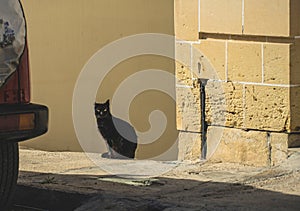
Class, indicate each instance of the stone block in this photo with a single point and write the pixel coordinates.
(267, 108)
(183, 75)
(278, 148)
(186, 20)
(214, 51)
(214, 137)
(244, 61)
(266, 18)
(282, 63)
(183, 53)
(276, 63)
(189, 146)
(224, 104)
(188, 113)
(239, 146)
(221, 16)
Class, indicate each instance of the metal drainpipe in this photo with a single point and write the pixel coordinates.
(202, 83)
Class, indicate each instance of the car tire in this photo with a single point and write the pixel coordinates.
(9, 167)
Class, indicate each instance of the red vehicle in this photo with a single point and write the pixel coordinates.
(19, 118)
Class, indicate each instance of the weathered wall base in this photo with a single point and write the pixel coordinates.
(255, 148)
(189, 146)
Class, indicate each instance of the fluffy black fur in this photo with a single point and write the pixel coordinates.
(120, 136)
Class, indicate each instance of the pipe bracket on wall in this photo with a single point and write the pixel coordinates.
(202, 82)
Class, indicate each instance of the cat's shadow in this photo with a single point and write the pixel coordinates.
(125, 129)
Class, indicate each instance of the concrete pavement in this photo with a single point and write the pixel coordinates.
(186, 186)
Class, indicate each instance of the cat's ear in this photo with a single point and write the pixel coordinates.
(107, 102)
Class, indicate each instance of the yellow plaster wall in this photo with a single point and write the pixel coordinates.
(63, 35)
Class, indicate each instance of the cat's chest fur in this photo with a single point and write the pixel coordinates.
(106, 127)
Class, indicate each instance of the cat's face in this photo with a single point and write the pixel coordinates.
(102, 109)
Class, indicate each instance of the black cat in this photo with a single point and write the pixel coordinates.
(120, 136)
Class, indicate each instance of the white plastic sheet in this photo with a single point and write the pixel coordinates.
(12, 37)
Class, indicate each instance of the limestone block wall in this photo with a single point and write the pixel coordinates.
(250, 52)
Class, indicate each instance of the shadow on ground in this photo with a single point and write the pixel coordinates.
(90, 192)
(33, 198)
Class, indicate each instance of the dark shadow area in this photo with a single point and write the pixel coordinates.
(294, 136)
(295, 109)
(66, 192)
(295, 89)
(34, 198)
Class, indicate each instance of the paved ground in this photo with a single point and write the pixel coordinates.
(70, 181)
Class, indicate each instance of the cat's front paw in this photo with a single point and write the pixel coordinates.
(106, 155)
